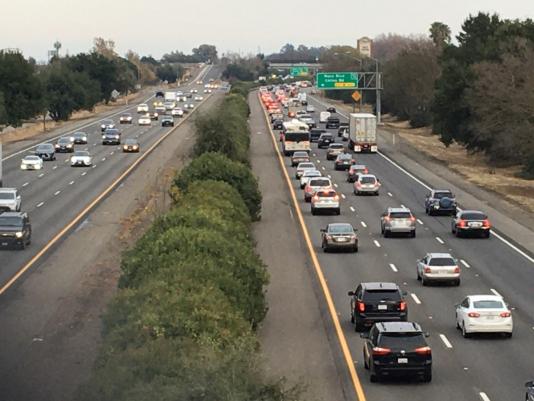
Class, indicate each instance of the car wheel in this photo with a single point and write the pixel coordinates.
(355, 193)
(355, 249)
(373, 378)
(386, 233)
(22, 245)
(376, 193)
(465, 334)
(413, 234)
(427, 377)
(418, 275)
(457, 324)
(507, 335)
(487, 234)
(338, 212)
(313, 211)
(457, 282)
(325, 248)
(358, 325)
(351, 317)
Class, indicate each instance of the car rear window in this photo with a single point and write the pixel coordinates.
(300, 154)
(367, 180)
(488, 304)
(381, 295)
(474, 216)
(442, 262)
(326, 194)
(400, 215)
(402, 340)
(345, 156)
(321, 182)
(7, 195)
(10, 221)
(341, 229)
(306, 165)
(439, 195)
(336, 146)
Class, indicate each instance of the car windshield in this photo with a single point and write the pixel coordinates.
(441, 262)
(440, 195)
(107, 122)
(126, 115)
(32, 158)
(333, 119)
(381, 295)
(320, 182)
(488, 304)
(7, 195)
(63, 140)
(10, 221)
(367, 180)
(45, 148)
(131, 141)
(400, 215)
(402, 340)
(300, 154)
(336, 146)
(326, 136)
(340, 229)
(474, 216)
(79, 134)
(312, 173)
(81, 153)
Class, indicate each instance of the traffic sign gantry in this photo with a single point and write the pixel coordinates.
(337, 80)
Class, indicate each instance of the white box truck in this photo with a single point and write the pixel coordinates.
(362, 132)
(170, 96)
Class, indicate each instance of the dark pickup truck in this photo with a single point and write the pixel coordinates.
(15, 230)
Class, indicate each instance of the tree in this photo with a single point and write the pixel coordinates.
(169, 72)
(146, 74)
(20, 87)
(104, 47)
(57, 46)
(440, 34)
(206, 53)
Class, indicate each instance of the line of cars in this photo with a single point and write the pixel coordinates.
(378, 310)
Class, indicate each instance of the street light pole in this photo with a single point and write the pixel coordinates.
(378, 84)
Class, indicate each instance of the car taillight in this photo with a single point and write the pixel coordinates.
(402, 305)
(427, 269)
(505, 314)
(387, 218)
(360, 306)
(379, 351)
(473, 314)
(457, 269)
(461, 223)
(336, 197)
(358, 184)
(366, 171)
(486, 223)
(412, 218)
(315, 197)
(424, 350)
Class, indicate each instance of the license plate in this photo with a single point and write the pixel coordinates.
(342, 239)
(402, 360)
(382, 307)
(475, 224)
(490, 317)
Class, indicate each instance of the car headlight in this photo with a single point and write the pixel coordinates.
(19, 234)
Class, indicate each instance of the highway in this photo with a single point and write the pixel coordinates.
(485, 367)
(58, 193)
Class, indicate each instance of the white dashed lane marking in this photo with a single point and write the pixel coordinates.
(40, 204)
(57, 193)
(85, 172)
(390, 194)
(439, 240)
(419, 221)
(376, 242)
(463, 262)
(41, 175)
(25, 184)
(103, 159)
(445, 341)
(484, 396)
(393, 267)
(343, 196)
(53, 168)
(72, 182)
(335, 185)
(415, 298)
(495, 292)
(352, 209)
(363, 224)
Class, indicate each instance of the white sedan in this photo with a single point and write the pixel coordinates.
(198, 98)
(142, 108)
(31, 162)
(484, 314)
(144, 120)
(176, 112)
(307, 175)
(81, 158)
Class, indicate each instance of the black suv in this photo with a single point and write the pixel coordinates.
(440, 201)
(332, 122)
(15, 230)
(397, 348)
(325, 140)
(377, 302)
(111, 137)
(316, 133)
(46, 151)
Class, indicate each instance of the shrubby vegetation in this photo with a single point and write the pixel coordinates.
(191, 293)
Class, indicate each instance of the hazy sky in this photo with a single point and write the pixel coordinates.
(157, 27)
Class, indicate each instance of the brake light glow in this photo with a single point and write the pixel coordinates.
(473, 314)
(387, 218)
(427, 269)
(361, 306)
(336, 197)
(315, 197)
(402, 305)
(379, 351)
(486, 223)
(457, 269)
(505, 314)
(412, 218)
(424, 350)
(461, 223)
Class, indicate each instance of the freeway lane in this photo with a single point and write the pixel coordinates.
(463, 369)
(59, 192)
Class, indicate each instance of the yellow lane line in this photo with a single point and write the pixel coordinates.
(331, 308)
(95, 201)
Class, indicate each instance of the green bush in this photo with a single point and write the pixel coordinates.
(219, 167)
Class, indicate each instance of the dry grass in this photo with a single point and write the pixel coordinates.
(474, 167)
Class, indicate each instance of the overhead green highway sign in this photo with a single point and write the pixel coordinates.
(298, 71)
(337, 80)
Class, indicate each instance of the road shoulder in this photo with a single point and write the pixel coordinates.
(296, 337)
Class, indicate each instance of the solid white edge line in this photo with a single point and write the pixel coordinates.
(440, 240)
(495, 292)
(445, 341)
(415, 298)
(404, 171)
(463, 262)
(376, 242)
(393, 267)
(484, 396)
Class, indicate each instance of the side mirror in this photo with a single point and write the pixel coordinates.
(364, 334)
(350, 293)
(529, 384)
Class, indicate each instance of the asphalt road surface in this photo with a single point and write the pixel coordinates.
(56, 194)
(486, 367)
